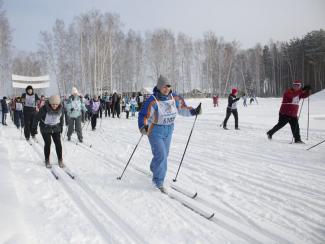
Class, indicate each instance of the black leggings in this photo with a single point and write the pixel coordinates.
(229, 112)
(94, 121)
(283, 120)
(57, 141)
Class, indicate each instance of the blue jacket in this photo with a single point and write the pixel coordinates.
(149, 110)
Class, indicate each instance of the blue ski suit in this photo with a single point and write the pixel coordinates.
(159, 112)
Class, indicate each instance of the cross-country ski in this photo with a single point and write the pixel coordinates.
(168, 122)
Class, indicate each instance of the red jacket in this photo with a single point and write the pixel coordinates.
(290, 102)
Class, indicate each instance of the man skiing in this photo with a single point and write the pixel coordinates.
(156, 120)
(232, 108)
(289, 110)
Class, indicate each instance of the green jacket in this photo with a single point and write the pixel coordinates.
(74, 106)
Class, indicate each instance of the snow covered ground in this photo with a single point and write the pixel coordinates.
(261, 191)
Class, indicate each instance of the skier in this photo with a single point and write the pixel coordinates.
(5, 110)
(289, 110)
(140, 100)
(134, 105)
(156, 120)
(40, 103)
(18, 116)
(95, 108)
(65, 111)
(232, 108)
(245, 100)
(215, 99)
(75, 106)
(107, 105)
(118, 105)
(29, 100)
(50, 117)
(127, 109)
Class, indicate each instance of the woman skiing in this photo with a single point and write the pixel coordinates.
(156, 120)
(95, 108)
(51, 125)
(29, 100)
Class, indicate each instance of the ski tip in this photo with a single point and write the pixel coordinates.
(211, 216)
(195, 195)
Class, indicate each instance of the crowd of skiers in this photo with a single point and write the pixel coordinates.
(29, 110)
(156, 116)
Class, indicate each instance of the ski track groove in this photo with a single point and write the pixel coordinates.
(219, 222)
(130, 236)
(125, 140)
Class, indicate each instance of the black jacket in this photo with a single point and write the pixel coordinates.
(47, 110)
(231, 100)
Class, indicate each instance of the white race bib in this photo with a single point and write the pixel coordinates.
(167, 112)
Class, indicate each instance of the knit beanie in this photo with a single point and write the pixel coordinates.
(162, 81)
(55, 99)
(74, 91)
(234, 91)
(297, 83)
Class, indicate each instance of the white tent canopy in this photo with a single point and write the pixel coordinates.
(19, 81)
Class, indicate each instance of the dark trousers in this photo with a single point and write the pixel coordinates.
(75, 122)
(107, 110)
(127, 114)
(100, 112)
(28, 123)
(283, 120)
(66, 118)
(19, 119)
(4, 118)
(229, 112)
(47, 144)
(94, 121)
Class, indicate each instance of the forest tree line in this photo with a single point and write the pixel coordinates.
(94, 54)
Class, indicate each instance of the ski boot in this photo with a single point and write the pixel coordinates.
(162, 189)
(61, 164)
(47, 164)
(299, 142)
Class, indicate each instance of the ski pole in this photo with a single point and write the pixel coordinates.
(65, 133)
(179, 167)
(120, 177)
(88, 122)
(308, 120)
(316, 145)
(298, 118)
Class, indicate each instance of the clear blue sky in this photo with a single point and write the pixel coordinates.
(248, 21)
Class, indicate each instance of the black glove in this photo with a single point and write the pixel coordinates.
(198, 110)
(306, 88)
(72, 109)
(144, 130)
